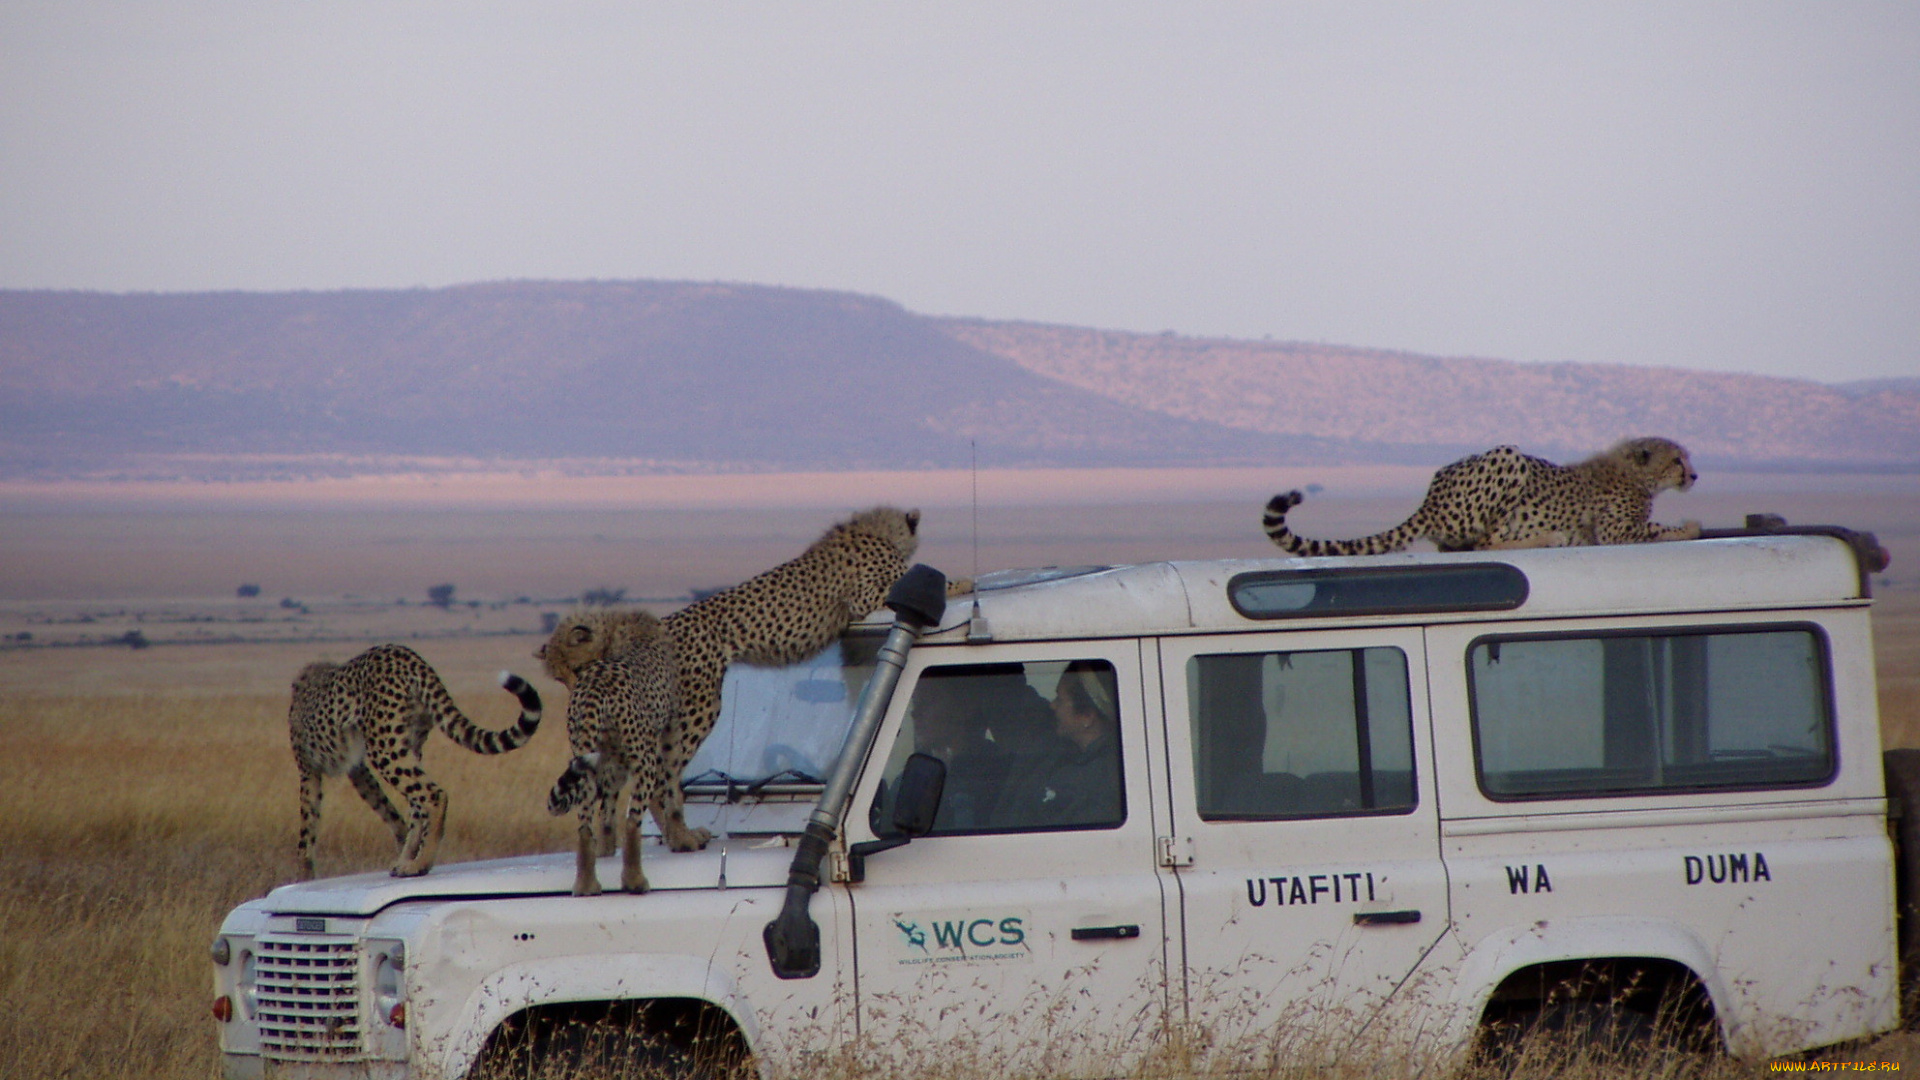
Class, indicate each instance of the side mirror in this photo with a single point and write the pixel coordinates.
(916, 802)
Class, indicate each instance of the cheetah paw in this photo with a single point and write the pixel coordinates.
(689, 840)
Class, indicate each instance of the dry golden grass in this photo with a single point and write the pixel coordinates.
(145, 793)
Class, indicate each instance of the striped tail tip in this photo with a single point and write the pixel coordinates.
(1274, 519)
(529, 699)
(574, 786)
(1283, 502)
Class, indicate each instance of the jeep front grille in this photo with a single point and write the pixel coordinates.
(307, 995)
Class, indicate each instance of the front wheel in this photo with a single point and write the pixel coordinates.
(580, 1051)
(658, 1040)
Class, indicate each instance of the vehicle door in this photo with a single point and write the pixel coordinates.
(1301, 783)
(1028, 930)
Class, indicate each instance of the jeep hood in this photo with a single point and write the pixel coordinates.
(728, 863)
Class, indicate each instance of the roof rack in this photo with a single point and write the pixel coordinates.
(1868, 553)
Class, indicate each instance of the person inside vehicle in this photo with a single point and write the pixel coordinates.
(947, 725)
(1074, 781)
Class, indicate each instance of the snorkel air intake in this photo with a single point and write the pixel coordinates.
(918, 601)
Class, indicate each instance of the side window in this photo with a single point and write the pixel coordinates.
(1619, 714)
(1028, 746)
(1301, 734)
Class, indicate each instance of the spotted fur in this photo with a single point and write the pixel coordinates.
(578, 641)
(1506, 499)
(369, 718)
(776, 618)
(617, 710)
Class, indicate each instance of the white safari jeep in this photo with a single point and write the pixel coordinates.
(1404, 803)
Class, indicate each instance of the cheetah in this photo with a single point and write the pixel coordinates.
(1506, 499)
(617, 710)
(584, 639)
(368, 718)
(779, 617)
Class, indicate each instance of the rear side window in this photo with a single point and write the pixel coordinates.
(1294, 594)
(1301, 734)
(1618, 714)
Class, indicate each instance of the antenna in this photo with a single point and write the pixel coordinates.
(977, 629)
(973, 454)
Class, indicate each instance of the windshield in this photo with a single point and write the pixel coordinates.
(785, 725)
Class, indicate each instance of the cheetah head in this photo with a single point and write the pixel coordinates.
(313, 675)
(900, 528)
(590, 634)
(1662, 462)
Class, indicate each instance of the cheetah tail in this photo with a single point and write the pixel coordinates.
(1274, 520)
(483, 741)
(575, 786)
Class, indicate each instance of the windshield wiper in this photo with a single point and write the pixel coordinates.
(738, 789)
(735, 786)
(798, 776)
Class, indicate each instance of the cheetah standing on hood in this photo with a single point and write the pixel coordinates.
(775, 618)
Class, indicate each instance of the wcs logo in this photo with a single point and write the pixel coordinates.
(964, 935)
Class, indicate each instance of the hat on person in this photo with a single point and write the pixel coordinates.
(1091, 680)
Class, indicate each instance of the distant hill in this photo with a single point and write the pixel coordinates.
(658, 375)
(1565, 409)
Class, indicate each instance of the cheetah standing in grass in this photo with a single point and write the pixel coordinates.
(369, 718)
(778, 617)
(1506, 499)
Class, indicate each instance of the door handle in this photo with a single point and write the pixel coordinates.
(1097, 933)
(1384, 918)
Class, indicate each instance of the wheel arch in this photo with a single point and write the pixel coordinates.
(584, 981)
(1497, 968)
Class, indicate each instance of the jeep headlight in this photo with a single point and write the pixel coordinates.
(390, 982)
(249, 982)
(236, 991)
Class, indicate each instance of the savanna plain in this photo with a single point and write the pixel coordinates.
(146, 785)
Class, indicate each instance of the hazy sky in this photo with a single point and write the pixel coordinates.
(1733, 186)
